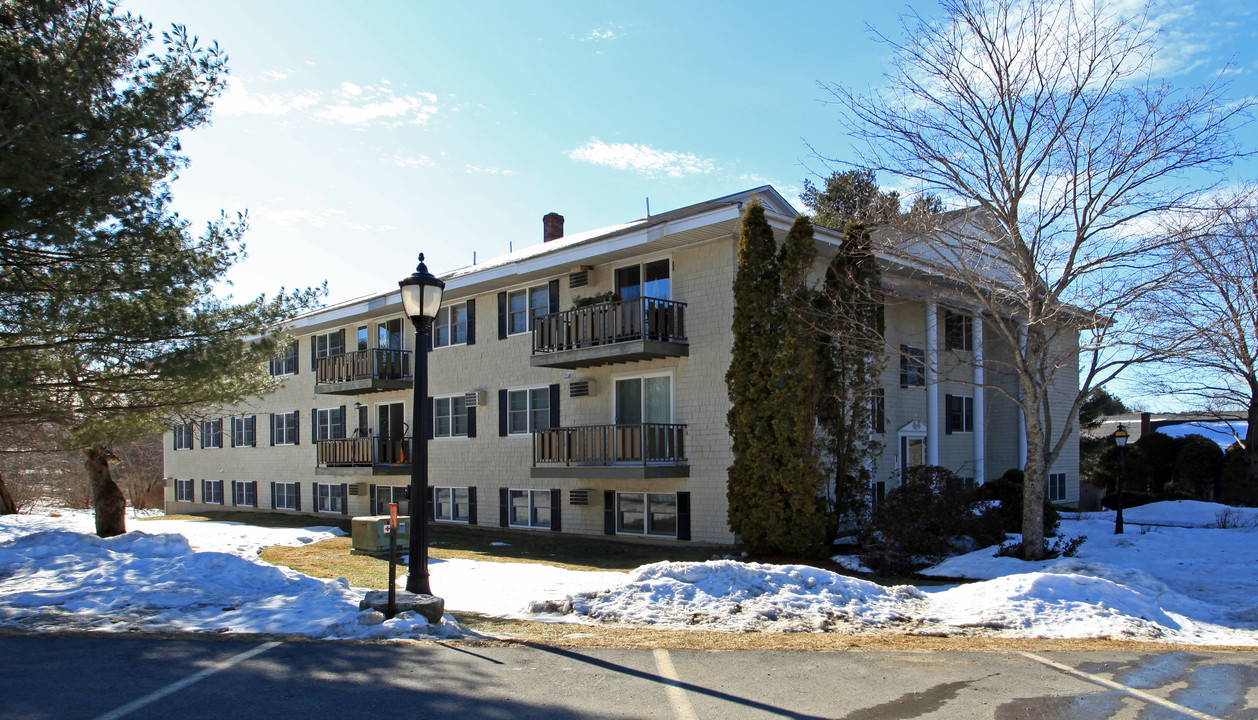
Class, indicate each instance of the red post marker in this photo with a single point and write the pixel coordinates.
(393, 515)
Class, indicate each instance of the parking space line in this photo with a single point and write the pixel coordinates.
(181, 684)
(676, 695)
(1142, 695)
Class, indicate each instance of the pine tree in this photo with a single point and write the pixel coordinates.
(109, 321)
(850, 309)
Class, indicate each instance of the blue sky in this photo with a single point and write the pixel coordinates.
(357, 135)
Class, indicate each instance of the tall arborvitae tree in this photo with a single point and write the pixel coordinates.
(850, 311)
(109, 321)
(805, 527)
(755, 505)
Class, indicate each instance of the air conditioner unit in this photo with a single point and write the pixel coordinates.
(356, 488)
(581, 389)
(579, 278)
(476, 398)
(579, 497)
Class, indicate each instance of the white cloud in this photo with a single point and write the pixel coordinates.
(349, 88)
(641, 158)
(412, 161)
(486, 170)
(359, 105)
(276, 75)
(609, 33)
(236, 100)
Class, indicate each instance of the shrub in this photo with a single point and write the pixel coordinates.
(1007, 490)
(1131, 499)
(931, 515)
(1061, 547)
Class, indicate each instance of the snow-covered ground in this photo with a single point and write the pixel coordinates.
(1194, 584)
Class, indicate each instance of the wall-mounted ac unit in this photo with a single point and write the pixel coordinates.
(356, 488)
(581, 389)
(579, 278)
(580, 497)
(476, 398)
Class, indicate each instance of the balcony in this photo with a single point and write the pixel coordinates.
(617, 452)
(363, 371)
(614, 332)
(356, 457)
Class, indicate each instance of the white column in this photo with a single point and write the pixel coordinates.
(980, 428)
(932, 382)
(1021, 412)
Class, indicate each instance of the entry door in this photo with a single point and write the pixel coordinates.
(912, 453)
(644, 409)
(391, 432)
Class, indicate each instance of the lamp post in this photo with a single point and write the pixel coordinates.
(421, 299)
(1120, 439)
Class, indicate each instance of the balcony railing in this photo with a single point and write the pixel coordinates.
(623, 321)
(604, 445)
(364, 452)
(375, 364)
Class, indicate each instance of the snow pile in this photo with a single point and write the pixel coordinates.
(59, 579)
(505, 589)
(731, 595)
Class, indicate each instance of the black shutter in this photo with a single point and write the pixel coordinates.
(297, 496)
(554, 405)
(949, 403)
(341, 424)
(314, 424)
(272, 496)
(683, 516)
(344, 499)
(503, 508)
(233, 428)
(313, 344)
(471, 322)
(471, 506)
(552, 293)
(502, 316)
(297, 426)
(556, 524)
(471, 422)
(431, 504)
(233, 492)
(202, 426)
(371, 500)
(254, 486)
(502, 413)
(609, 512)
(428, 420)
(272, 429)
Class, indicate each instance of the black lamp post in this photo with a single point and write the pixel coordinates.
(421, 299)
(1120, 439)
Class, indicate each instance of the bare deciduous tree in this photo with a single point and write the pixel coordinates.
(1043, 119)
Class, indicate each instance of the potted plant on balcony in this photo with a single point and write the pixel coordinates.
(610, 296)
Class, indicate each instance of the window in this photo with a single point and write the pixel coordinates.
(183, 491)
(285, 497)
(958, 331)
(389, 334)
(878, 410)
(528, 410)
(450, 327)
(245, 431)
(525, 304)
(646, 280)
(326, 345)
(449, 416)
(362, 337)
(530, 508)
(454, 504)
(183, 436)
(330, 498)
(912, 367)
(284, 428)
(647, 513)
(878, 493)
(212, 492)
(958, 413)
(245, 494)
(286, 362)
(1056, 487)
(211, 433)
(389, 494)
(330, 423)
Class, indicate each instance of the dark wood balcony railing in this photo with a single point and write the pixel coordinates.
(363, 452)
(641, 444)
(609, 323)
(375, 364)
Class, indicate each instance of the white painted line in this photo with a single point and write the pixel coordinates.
(676, 696)
(181, 684)
(1121, 688)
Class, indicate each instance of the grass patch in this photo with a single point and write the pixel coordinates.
(566, 551)
(331, 559)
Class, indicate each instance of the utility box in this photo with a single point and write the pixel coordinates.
(369, 535)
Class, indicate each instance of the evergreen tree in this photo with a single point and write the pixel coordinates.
(850, 308)
(805, 528)
(109, 324)
(755, 505)
(850, 196)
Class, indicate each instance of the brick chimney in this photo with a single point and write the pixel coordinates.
(552, 227)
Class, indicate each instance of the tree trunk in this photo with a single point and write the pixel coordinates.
(1034, 475)
(1251, 441)
(107, 497)
(7, 506)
